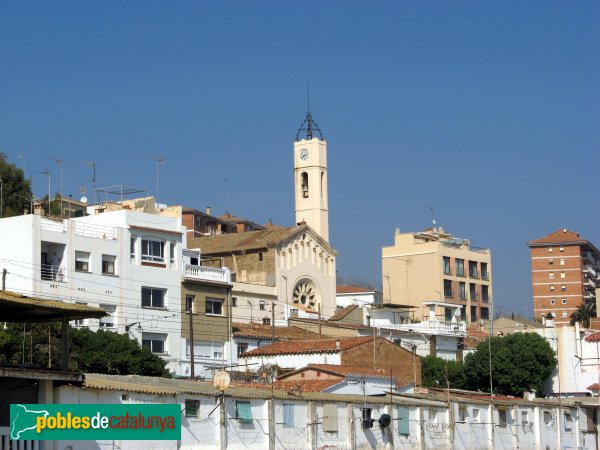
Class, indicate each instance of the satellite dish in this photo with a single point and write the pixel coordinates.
(84, 199)
(221, 380)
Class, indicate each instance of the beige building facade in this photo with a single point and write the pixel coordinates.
(434, 265)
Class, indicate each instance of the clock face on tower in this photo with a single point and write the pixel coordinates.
(304, 154)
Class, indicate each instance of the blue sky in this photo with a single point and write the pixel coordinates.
(487, 111)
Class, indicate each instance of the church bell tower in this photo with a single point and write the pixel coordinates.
(310, 178)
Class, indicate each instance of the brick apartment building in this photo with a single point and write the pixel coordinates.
(564, 273)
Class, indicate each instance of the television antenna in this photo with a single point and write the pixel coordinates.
(59, 163)
(92, 165)
(160, 160)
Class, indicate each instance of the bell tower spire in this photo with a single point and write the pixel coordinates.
(310, 177)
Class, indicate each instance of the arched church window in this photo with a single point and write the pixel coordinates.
(304, 184)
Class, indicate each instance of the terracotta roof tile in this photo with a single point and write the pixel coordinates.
(250, 240)
(343, 312)
(351, 289)
(594, 387)
(300, 347)
(305, 385)
(254, 330)
(559, 236)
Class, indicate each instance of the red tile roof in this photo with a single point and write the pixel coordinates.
(254, 330)
(341, 370)
(300, 347)
(343, 312)
(305, 385)
(594, 387)
(352, 290)
(560, 236)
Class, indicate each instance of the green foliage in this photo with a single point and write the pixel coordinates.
(437, 373)
(16, 190)
(112, 353)
(520, 362)
(583, 314)
(98, 352)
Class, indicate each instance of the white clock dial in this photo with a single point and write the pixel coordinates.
(304, 154)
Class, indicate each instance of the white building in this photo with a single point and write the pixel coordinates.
(128, 263)
(354, 295)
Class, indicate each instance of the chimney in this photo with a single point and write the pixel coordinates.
(227, 215)
(38, 208)
(209, 210)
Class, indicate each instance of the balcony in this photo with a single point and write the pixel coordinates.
(52, 273)
(590, 271)
(203, 273)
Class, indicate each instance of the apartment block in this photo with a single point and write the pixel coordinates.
(433, 265)
(564, 274)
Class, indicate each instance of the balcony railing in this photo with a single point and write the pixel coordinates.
(52, 273)
(474, 296)
(95, 231)
(53, 225)
(473, 274)
(206, 273)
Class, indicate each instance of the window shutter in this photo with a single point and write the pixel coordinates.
(244, 411)
(288, 415)
(330, 417)
(403, 421)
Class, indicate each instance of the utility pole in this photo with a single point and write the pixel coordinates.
(49, 350)
(319, 321)
(190, 302)
(273, 321)
(92, 165)
(1, 198)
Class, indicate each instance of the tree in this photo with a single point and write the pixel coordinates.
(583, 314)
(16, 190)
(438, 372)
(520, 362)
(112, 353)
(39, 345)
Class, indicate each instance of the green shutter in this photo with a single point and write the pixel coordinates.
(403, 421)
(244, 411)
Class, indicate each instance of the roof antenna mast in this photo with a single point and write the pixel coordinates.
(433, 215)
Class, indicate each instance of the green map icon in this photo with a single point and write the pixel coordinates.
(24, 419)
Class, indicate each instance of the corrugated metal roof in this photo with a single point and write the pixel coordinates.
(17, 307)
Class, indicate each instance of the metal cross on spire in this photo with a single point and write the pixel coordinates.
(309, 123)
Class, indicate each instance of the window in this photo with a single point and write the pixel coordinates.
(403, 421)
(266, 321)
(108, 264)
(330, 418)
(563, 275)
(484, 271)
(155, 342)
(524, 418)
(132, 247)
(552, 288)
(172, 252)
(551, 275)
(288, 415)
(242, 348)
(446, 262)
(448, 289)
(473, 273)
(549, 249)
(233, 302)
(460, 267)
(564, 301)
(562, 262)
(217, 349)
(564, 314)
(190, 305)
(551, 262)
(153, 250)
(502, 418)
(108, 321)
(82, 261)
(485, 294)
(80, 322)
(568, 421)
(262, 305)
(153, 298)
(463, 290)
(473, 291)
(433, 418)
(243, 411)
(548, 419)
(304, 184)
(475, 415)
(214, 306)
(563, 287)
(192, 408)
(462, 413)
(260, 256)
(562, 249)
(552, 301)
